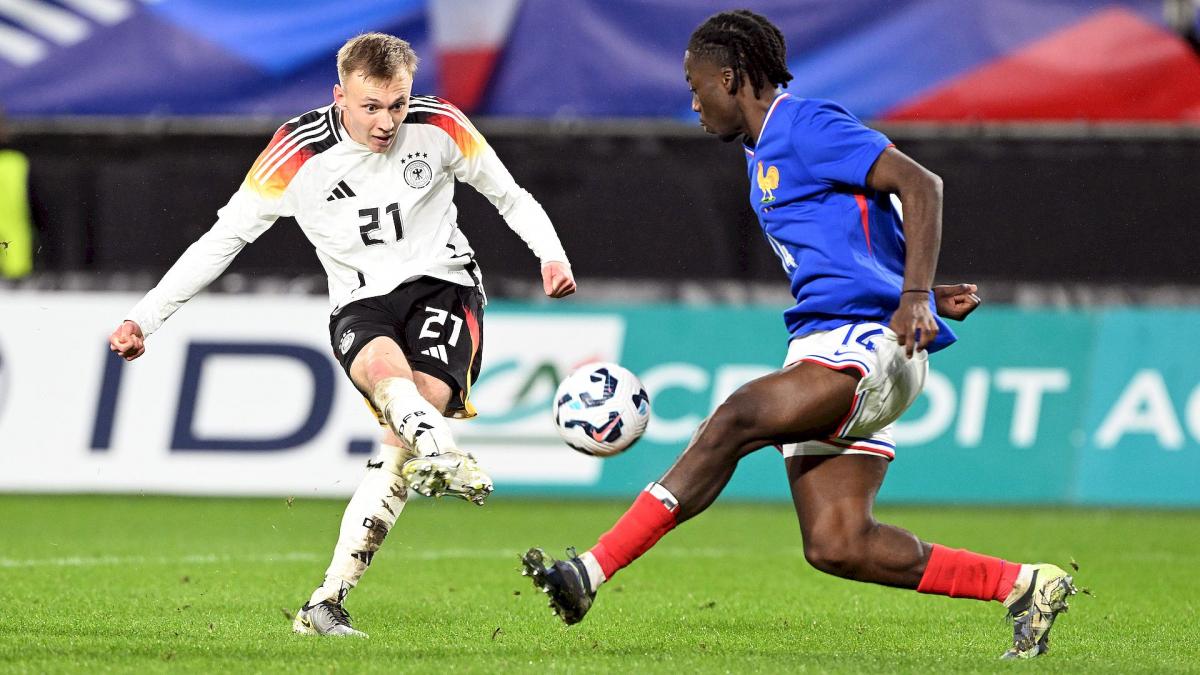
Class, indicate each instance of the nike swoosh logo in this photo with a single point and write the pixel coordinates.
(600, 433)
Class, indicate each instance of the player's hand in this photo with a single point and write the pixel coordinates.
(956, 301)
(913, 323)
(128, 340)
(557, 280)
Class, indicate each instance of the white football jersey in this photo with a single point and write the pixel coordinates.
(376, 220)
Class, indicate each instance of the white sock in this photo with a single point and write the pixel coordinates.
(414, 419)
(595, 573)
(333, 589)
(1024, 577)
(369, 516)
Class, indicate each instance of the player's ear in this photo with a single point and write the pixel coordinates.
(727, 79)
(339, 95)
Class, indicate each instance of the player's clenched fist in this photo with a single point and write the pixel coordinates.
(557, 280)
(128, 341)
(956, 301)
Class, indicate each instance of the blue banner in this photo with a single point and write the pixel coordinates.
(585, 58)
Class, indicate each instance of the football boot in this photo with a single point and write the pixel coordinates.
(565, 583)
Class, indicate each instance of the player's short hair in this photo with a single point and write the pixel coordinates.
(377, 56)
(746, 42)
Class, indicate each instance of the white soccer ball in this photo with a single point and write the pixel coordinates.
(601, 409)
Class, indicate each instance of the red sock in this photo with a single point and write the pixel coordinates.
(962, 574)
(651, 516)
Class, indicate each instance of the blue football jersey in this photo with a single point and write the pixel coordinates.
(841, 243)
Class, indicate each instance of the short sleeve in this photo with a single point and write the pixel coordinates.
(834, 145)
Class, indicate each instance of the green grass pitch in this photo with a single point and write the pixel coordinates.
(108, 583)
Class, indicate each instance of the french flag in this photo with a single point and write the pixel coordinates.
(469, 36)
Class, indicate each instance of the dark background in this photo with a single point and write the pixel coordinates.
(665, 204)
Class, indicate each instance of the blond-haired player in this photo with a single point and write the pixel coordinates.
(370, 180)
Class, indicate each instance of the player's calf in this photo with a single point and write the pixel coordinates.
(370, 515)
(840, 557)
(709, 460)
(846, 542)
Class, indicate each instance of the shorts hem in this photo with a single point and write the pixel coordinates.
(458, 403)
(862, 369)
(346, 361)
(834, 448)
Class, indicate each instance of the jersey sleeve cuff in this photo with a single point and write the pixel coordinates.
(868, 156)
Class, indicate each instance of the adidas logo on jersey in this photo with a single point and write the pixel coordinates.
(437, 352)
(340, 192)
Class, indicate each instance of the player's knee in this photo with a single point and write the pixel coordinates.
(378, 368)
(379, 361)
(838, 553)
(735, 421)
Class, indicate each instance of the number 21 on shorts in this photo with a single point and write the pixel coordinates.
(435, 326)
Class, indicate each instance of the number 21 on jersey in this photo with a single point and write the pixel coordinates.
(370, 231)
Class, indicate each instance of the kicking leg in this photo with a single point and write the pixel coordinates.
(412, 404)
(801, 402)
(834, 498)
(381, 371)
(804, 401)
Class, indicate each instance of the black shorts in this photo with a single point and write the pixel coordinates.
(438, 325)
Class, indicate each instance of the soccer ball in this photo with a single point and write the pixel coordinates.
(601, 409)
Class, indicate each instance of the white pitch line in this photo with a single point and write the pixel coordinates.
(408, 554)
(194, 559)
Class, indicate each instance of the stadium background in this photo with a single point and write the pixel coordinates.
(156, 516)
(1066, 131)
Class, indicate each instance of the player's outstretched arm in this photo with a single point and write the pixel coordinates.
(475, 163)
(557, 280)
(956, 301)
(250, 212)
(199, 265)
(128, 340)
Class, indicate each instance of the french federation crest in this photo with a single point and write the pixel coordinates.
(347, 340)
(768, 182)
